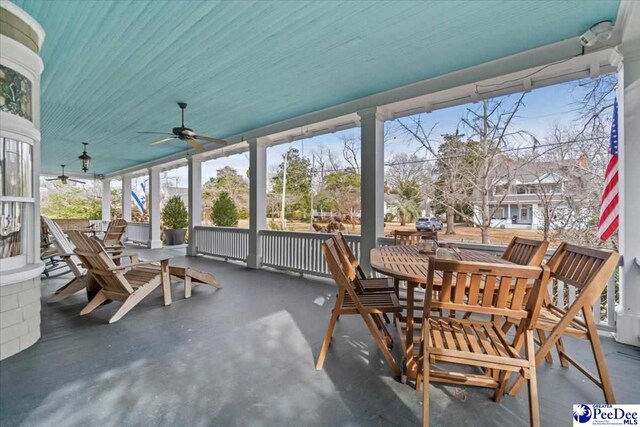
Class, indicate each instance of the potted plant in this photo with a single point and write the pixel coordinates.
(175, 219)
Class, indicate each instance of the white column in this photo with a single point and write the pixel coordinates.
(126, 198)
(195, 200)
(372, 181)
(106, 200)
(628, 312)
(153, 206)
(257, 200)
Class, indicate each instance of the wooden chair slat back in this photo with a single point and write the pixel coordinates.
(343, 246)
(99, 262)
(583, 267)
(526, 251)
(412, 238)
(60, 241)
(338, 267)
(114, 233)
(499, 290)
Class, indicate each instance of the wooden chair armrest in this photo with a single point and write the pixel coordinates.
(163, 262)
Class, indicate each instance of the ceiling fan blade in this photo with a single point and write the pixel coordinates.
(162, 140)
(194, 144)
(75, 180)
(156, 133)
(52, 179)
(209, 139)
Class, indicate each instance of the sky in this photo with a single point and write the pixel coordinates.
(543, 108)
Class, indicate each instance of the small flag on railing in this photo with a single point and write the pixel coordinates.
(608, 223)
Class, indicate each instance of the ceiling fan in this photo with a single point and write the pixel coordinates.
(185, 134)
(64, 178)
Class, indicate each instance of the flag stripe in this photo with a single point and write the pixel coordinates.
(608, 222)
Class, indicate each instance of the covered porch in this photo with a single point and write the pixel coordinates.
(244, 355)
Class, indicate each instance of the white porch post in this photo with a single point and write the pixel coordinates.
(628, 312)
(106, 200)
(126, 198)
(372, 181)
(257, 200)
(153, 206)
(195, 201)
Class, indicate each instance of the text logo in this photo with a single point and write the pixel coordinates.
(586, 415)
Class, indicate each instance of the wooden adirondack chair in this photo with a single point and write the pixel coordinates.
(485, 289)
(113, 236)
(65, 252)
(349, 302)
(526, 251)
(127, 283)
(588, 270)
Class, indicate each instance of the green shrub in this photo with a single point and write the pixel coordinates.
(389, 217)
(224, 212)
(174, 215)
(243, 213)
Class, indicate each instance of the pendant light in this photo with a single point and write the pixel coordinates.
(85, 158)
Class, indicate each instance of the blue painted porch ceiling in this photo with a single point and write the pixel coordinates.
(114, 68)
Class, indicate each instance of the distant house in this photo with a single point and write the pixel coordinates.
(535, 186)
(183, 192)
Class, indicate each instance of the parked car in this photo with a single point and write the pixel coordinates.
(428, 224)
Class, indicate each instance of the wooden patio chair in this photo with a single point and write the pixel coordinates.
(354, 272)
(65, 252)
(588, 271)
(488, 290)
(112, 238)
(525, 251)
(362, 283)
(412, 238)
(127, 283)
(349, 302)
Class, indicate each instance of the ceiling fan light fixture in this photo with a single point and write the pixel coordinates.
(85, 158)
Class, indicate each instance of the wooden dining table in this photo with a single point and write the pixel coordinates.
(410, 264)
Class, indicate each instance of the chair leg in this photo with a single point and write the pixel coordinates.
(384, 333)
(166, 282)
(560, 350)
(187, 286)
(530, 351)
(75, 285)
(94, 303)
(381, 344)
(425, 387)
(598, 355)
(543, 338)
(137, 296)
(327, 339)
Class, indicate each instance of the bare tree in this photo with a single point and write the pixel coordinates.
(491, 130)
(351, 150)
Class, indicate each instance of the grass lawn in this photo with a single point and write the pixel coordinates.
(463, 232)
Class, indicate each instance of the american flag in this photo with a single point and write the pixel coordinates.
(608, 223)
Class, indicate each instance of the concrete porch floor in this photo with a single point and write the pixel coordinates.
(244, 355)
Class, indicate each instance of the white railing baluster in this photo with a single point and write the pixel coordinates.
(561, 300)
(611, 302)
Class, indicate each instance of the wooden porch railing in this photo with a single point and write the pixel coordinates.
(137, 232)
(301, 252)
(225, 242)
